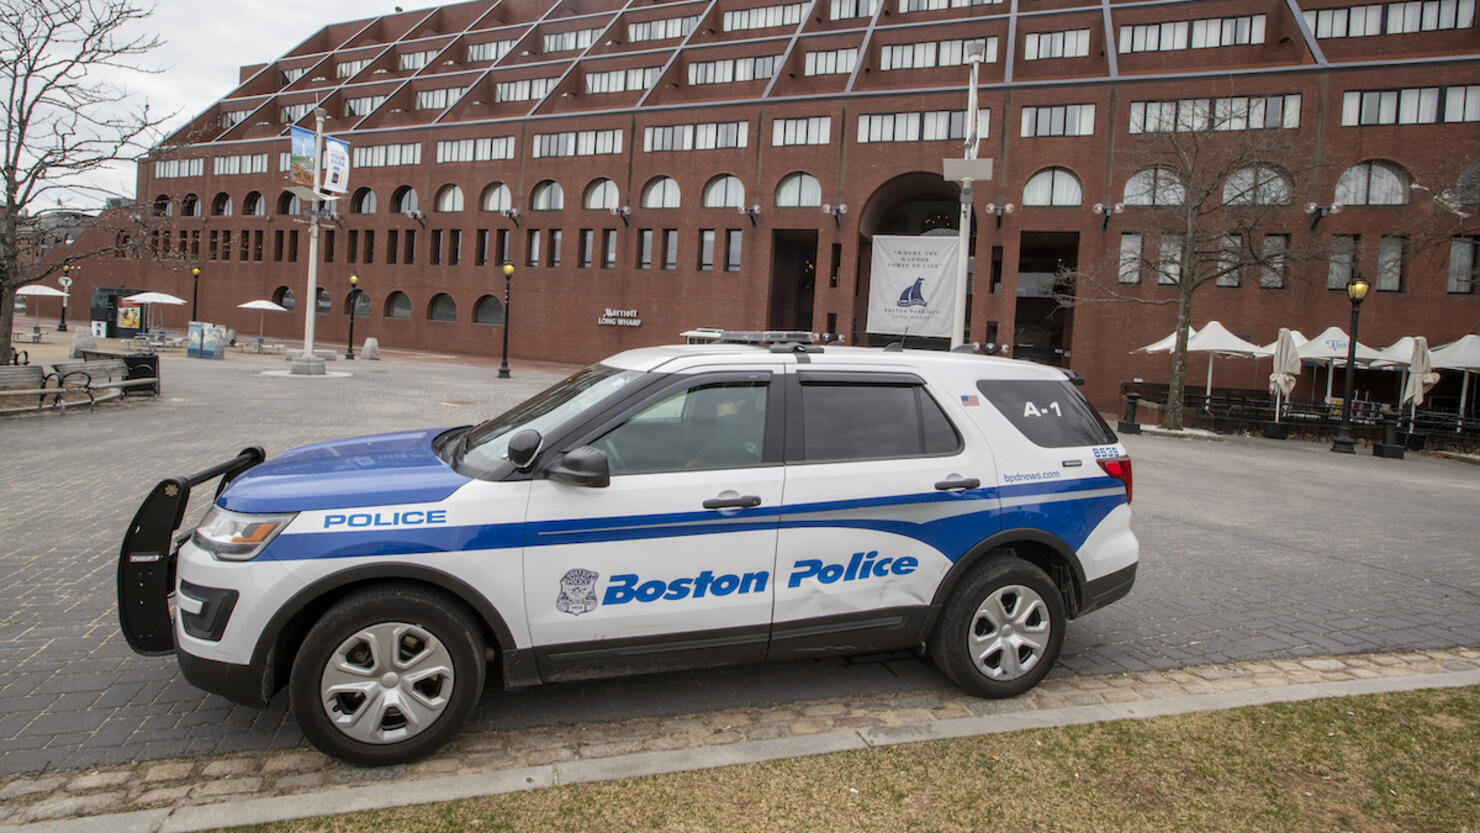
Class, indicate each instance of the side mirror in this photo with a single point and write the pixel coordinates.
(523, 447)
(584, 466)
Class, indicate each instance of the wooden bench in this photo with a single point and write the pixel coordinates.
(32, 335)
(100, 376)
(28, 380)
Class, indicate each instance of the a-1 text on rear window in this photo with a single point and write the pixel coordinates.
(1050, 413)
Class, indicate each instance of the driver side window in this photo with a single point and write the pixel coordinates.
(714, 426)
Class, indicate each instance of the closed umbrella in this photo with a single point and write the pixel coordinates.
(264, 306)
(1420, 376)
(1286, 368)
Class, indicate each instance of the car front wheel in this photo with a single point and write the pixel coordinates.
(1001, 630)
(387, 675)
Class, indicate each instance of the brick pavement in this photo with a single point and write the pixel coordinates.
(1251, 549)
(193, 782)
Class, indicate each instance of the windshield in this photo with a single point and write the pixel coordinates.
(486, 444)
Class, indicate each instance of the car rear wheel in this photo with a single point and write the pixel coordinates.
(1001, 630)
(387, 675)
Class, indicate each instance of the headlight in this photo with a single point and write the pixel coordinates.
(232, 536)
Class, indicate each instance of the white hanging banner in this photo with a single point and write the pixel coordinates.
(911, 285)
(336, 165)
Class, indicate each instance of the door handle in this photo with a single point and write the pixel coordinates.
(741, 502)
(959, 483)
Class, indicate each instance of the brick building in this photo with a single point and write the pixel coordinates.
(688, 164)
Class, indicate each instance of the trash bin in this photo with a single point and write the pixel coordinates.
(141, 366)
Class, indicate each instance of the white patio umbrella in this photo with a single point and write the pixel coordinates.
(264, 306)
(1166, 344)
(40, 291)
(1286, 368)
(1330, 347)
(149, 299)
(1420, 377)
(1464, 355)
(1215, 340)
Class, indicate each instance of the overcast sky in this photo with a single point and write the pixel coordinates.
(206, 42)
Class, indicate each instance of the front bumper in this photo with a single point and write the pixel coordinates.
(247, 685)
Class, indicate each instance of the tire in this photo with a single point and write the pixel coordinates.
(1001, 630)
(357, 703)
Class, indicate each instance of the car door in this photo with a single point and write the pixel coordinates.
(887, 485)
(670, 565)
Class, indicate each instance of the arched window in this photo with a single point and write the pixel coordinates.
(449, 199)
(190, 206)
(283, 297)
(1154, 186)
(254, 205)
(1468, 187)
(660, 192)
(1053, 186)
(325, 304)
(489, 310)
(798, 189)
(1259, 185)
(163, 207)
(442, 308)
(495, 197)
(403, 200)
(288, 203)
(547, 196)
(1374, 182)
(363, 202)
(397, 305)
(600, 194)
(221, 205)
(724, 191)
(361, 301)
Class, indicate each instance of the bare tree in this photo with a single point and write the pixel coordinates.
(62, 124)
(1211, 198)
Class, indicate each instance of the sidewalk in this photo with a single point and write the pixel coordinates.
(205, 793)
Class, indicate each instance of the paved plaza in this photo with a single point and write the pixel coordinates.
(1251, 550)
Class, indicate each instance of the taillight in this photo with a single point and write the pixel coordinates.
(1120, 469)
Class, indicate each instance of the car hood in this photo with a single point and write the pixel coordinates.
(362, 471)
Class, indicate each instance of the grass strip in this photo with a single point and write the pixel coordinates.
(1405, 762)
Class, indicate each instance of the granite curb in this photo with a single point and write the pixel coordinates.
(207, 793)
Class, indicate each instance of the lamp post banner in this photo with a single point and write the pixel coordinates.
(911, 285)
(336, 165)
(302, 155)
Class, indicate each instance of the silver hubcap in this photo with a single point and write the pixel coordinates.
(1009, 633)
(387, 683)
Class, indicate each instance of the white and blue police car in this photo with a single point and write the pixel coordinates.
(669, 507)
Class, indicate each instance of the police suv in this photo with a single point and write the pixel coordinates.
(670, 507)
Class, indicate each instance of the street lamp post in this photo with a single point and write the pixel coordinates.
(66, 283)
(1356, 290)
(354, 301)
(503, 368)
(966, 171)
(194, 292)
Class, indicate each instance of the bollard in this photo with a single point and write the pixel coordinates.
(1389, 447)
(1129, 424)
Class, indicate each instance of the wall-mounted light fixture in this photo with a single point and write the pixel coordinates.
(512, 214)
(837, 212)
(1317, 211)
(751, 211)
(624, 212)
(999, 210)
(1105, 211)
(418, 216)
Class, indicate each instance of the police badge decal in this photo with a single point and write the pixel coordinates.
(577, 592)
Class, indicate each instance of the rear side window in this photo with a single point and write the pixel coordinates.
(843, 421)
(1050, 413)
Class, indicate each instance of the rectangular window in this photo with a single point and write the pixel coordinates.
(501, 253)
(251, 163)
(621, 80)
(907, 6)
(532, 244)
(480, 247)
(1391, 18)
(830, 62)
(661, 29)
(586, 248)
(943, 53)
(1343, 260)
(732, 70)
(1462, 103)
(1072, 43)
(380, 156)
(526, 89)
(575, 39)
(1169, 260)
(454, 247)
(291, 75)
(555, 237)
(215, 246)
(645, 248)
(175, 168)
(936, 125)
(707, 136)
(1230, 261)
(1392, 254)
(1063, 120)
(328, 245)
(1276, 252)
(475, 150)
(904, 421)
(362, 106)
(706, 250)
(578, 143)
(277, 245)
(352, 254)
(438, 99)
(226, 244)
(289, 113)
(1413, 105)
(1462, 264)
(846, 9)
(1130, 257)
(435, 256)
(489, 50)
(1232, 113)
(392, 246)
(369, 246)
(410, 238)
(670, 249)
(732, 250)
(765, 17)
(1192, 34)
(609, 248)
(415, 60)
(816, 130)
(349, 69)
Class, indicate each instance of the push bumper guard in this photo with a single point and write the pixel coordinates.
(146, 563)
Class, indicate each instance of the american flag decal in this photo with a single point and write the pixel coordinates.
(969, 400)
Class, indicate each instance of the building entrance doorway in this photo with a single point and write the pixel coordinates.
(793, 279)
(1044, 328)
